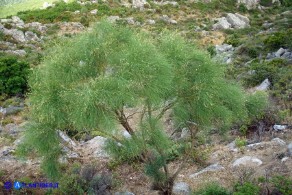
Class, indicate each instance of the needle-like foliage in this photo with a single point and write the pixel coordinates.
(87, 82)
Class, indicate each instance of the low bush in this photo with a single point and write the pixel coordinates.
(13, 76)
(282, 184)
(246, 188)
(212, 189)
(279, 39)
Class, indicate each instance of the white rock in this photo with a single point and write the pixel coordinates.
(113, 19)
(150, 21)
(211, 168)
(96, 147)
(67, 139)
(237, 21)
(126, 134)
(264, 85)
(47, 5)
(94, 12)
(247, 160)
(181, 188)
(284, 159)
(280, 52)
(279, 141)
(222, 24)
(249, 4)
(168, 20)
(279, 127)
(139, 4)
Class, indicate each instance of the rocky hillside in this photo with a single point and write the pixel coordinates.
(250, 39)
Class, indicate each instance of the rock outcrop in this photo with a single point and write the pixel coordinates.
(235, 21)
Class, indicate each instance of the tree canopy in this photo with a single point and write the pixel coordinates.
(86, 83)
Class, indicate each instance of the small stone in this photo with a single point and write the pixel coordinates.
(150, 21)
(94, 12)
(181, 188)
(279, 141)
(279, 127)
(113, 19)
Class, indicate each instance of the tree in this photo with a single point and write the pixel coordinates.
(87, 82)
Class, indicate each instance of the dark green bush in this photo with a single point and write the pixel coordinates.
(279, 39)
(266, 2)
(246, 188)
(13, 76)
(286, 3)
(269, 70)
(212, 189)
(282, 184)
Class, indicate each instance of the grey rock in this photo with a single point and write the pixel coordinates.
(211, 168)
(150, 21)
(287, 55)
(222, 24)
(232, 147)
(94, 12)
(247, 161)
(126, 134)
(30, 36)
(18, 35)
(124, 193)
(95, 146)
(181, 188)
(16, 52)
(264, 85)
(279, 127)
(6, 150)
(139, 4)
(167, 19)
(290, 149)
(67, 139)
(11, 110)
(37, 26)
(6, 20)
(185, 134)
(130, 20)
(18, 22)
(173, 3)
(249, 4)
(113, 19)
(13, 128)
(279, 141)
(223, 48)
(237, 21)
(280, 52)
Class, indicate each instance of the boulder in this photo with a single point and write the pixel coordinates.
(280, 52)
(30, 36)
(247, 161)
(95, 147)
(249, 4)
(237, 21)
(264, 85)
(18, 35)
(139, 4)
(181, 188)
(211, 168)
(222, 24)
(167, 19)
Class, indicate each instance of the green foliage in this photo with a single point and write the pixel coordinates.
(87, 82)
(282, 184)
(286, 3)
(212, 189)
(246, 188)
(279, 39)
(13, 76)
(266, 2)
(256, 104)
(53, 14)
(240, 142)
(211, 50)
(267, 70)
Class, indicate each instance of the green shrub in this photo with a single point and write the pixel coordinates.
(279, 39)
(266, 2)
(212, 189)
(246, 188)
(282, 184)
(13, 76)
(240, 142)
(53, 14)
(287, 3)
